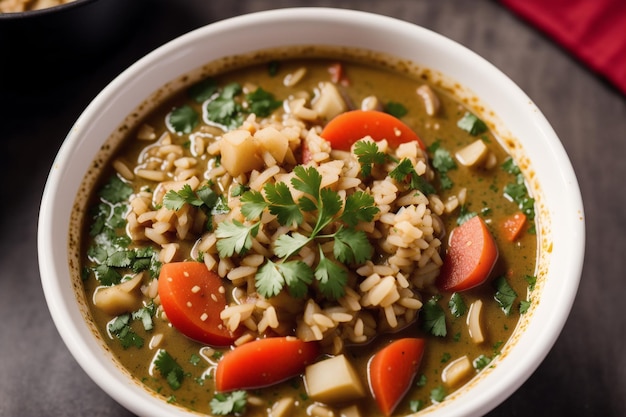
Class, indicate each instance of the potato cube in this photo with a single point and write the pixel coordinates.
(333, 380)
(273, 141)
(329, 103)
(457, 371)
(473, 154)
(239, 152)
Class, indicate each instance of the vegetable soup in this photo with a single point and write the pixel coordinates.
(307, 237)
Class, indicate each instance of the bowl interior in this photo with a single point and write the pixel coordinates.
(525, 133)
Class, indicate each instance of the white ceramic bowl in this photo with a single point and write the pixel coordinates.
(515, 115)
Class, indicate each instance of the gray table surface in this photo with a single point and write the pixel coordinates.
(583, 375)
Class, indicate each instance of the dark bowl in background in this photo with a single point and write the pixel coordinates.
(59, 42)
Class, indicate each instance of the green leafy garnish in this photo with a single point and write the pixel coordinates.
(457, 305)
(262, 103)
(350, 245)
(396, 109)
(517, 191)
(235, 237)
(434, 318)
(438, 394)
(481, 362)
(115, 190)
(182, 120)
(203, 91)
(532, 281)
(404, 172)
(169, 369)
(524, 305)
(505, 295)
(234, 402)
(472, 124)
(442, 162)
(415, 405)
(204, 198)
(120, 327)
(465, 214)
(367, 154)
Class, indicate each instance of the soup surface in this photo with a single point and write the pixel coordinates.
(260, 205)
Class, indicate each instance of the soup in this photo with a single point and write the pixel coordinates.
(291, 236)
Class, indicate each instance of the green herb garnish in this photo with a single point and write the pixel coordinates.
(350, 245)
(505, 295)
(182, 120)
(169, 369)
(434, 318)
(457, 305)
(234, 402)
(472, 124)
(396, 109)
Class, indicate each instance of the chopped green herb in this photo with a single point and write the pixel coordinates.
(472, 124)
(238, 189)
(457, 305)
(350, 245)
(262, 103)
(169, 369)
(144, 314)
(203, 91)
(405, 172)
(434, 318)
(273, 67)
(465, 215)
(234, 402)
(396, 109)
(445, 357)
(416, 405)
(195, 359)
(182, 120)
(120, 327)
(505, 295)
(115, 190)
(442, 162)
(368, 154)
(524, 305)
(438, 394)
(481, 362)
(532, 281)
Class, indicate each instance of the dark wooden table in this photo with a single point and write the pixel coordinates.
(585, 373)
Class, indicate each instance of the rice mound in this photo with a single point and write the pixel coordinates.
(383, 294)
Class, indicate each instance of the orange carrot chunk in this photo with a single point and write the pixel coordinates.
(513, 225)
(472, 254)
(391, 372)
(264, 362)
(192, 297)
(351, 126)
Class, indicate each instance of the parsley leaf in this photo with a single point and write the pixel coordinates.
(252, 204)
(438, 394)
(182, 120)
(229, 403)
(457, 305)
(120, 327)
(442, 162)
(434, 318)
(115, 190)
(262, 103)
(481, 362)
(235, 237)
(505, 295)
(331, 277)
(395, 109)
(405, 172)
(170, 369)
(367, 154)
(203, 91)
(360, 207)
(472, 124)
(282, 204)
(351, 246)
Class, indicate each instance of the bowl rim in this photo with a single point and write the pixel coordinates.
(62, 303)
(34, 14)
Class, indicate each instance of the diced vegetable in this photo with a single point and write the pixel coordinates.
(264, 362)
(192, 298)
(513, 225)
(120, 298)
(457, 371)
(473, 154)
(350, 411)
(472, 254)
(333, 380)
(474, 326)
(239, 152)
(273, 141)
(392, 370)
(431, 101)
(347, 128)
(329, 103)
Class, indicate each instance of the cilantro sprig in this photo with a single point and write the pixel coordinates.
(169, 369)
(323, 206)
(442, 162)
(203, 198)
(368, 154)
(234, 402)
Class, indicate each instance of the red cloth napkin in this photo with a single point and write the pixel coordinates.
(594, 31)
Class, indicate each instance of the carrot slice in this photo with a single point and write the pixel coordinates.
(472, 254)
(391, 371)
(264, 362)
(351, 126)
(513, 225)
(192, 298)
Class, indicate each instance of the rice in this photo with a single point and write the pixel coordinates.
(382, 295)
